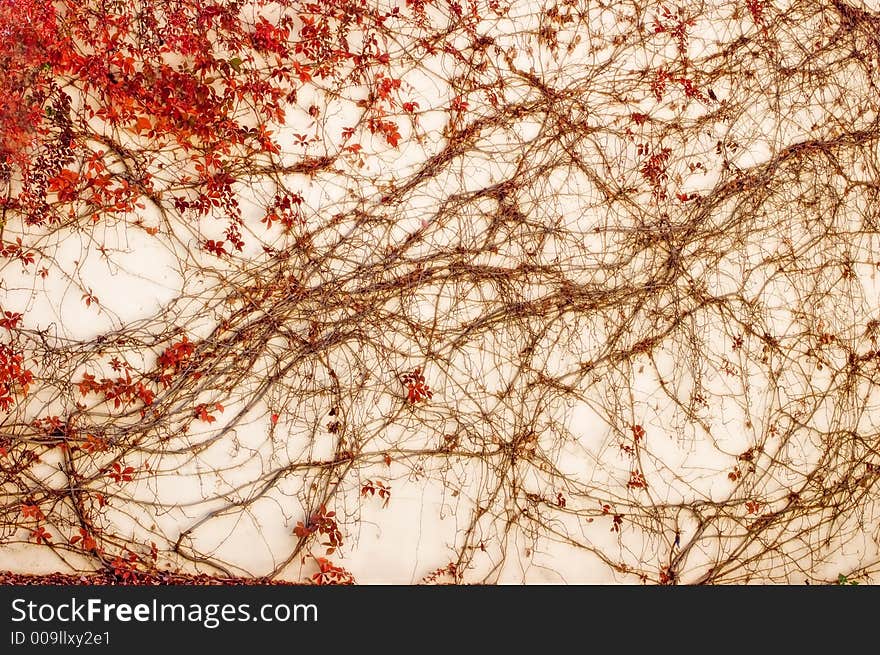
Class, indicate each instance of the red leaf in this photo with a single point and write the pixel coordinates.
(40, 535)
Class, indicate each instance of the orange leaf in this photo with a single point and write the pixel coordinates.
(143, 125)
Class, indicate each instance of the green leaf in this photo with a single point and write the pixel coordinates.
(843, 580)
(235, 62)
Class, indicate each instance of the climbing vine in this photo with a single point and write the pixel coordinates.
(590, 286)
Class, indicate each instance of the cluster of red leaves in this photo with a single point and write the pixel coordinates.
(377, 487)
(617, 519)
(637, 480)
(690, 89)
(654, 172)
(88, 541)
(122, 390)
(676, 25)
(416, 387)
(658, 87)
(14, 377)
(203, 415)
(667, 576)
(97, 187)
(93, 444)
(437, 576)
(638, 433)
(30, 510)
(331, 574)
(658, 84)
(387, 129)
(284, 209)
(10, 320)
(120, 474)
(322, 522)
(125, 566)
(232, 76)
(25, 27)
(51, 426)
(41, 535)
(756, 9)
(176, 355)
(16, 250)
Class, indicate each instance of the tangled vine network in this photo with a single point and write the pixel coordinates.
(441, 291)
